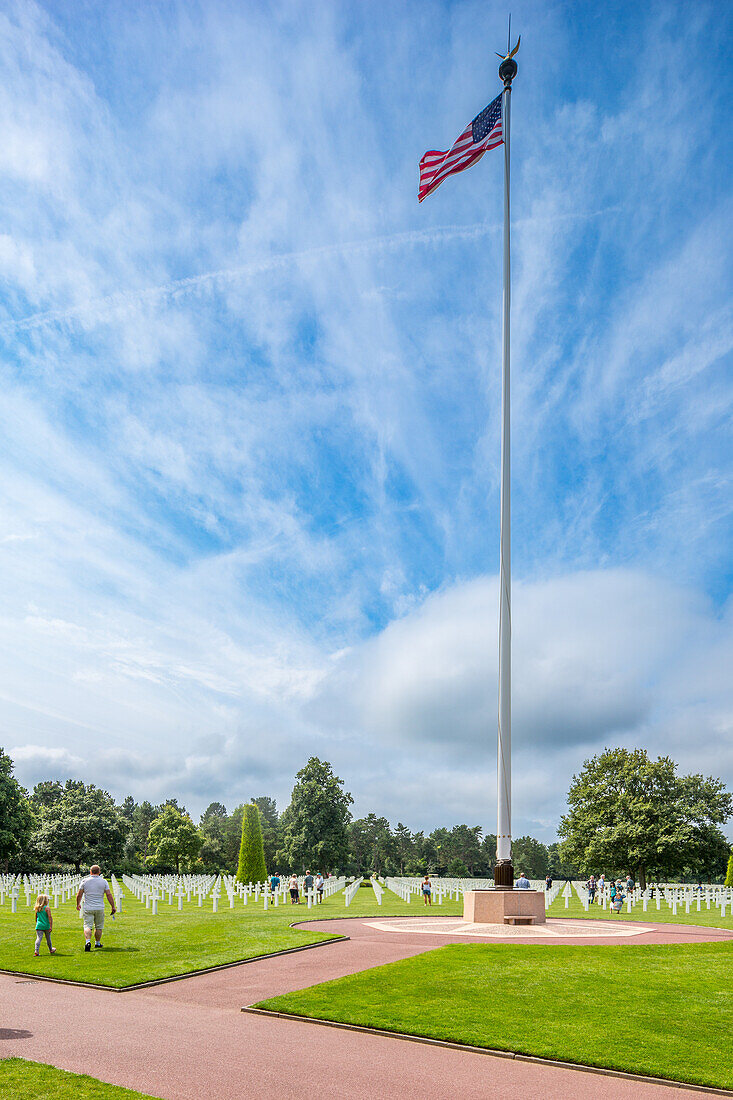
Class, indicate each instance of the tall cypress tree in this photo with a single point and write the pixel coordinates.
(251, 849)
(729, 873)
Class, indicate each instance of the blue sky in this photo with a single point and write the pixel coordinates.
(249, 438)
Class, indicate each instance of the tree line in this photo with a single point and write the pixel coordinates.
(626, 812)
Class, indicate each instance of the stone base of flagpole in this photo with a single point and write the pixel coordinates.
(504, 906)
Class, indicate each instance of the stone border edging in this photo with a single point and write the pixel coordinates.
(171, 977)
(467, 1048)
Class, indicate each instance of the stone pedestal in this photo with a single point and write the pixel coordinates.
(504, 907)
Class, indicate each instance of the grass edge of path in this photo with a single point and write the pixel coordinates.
(372, 1000)
(329, 938)
(30, 1080)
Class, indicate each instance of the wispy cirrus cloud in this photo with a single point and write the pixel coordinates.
(251, 394)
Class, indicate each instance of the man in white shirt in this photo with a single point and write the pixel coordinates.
(93, 890)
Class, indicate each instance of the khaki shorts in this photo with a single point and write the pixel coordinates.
(94, 918)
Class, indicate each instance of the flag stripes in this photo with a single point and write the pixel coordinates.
(483, 133)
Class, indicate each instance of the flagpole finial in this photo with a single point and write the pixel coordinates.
(508, 67)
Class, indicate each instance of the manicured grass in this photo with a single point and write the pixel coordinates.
(664, 1011)
(139, 947)
(21, 1080)
(708, 918)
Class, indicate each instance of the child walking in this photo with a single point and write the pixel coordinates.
(44, 923)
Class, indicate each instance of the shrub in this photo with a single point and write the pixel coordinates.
(251, 849)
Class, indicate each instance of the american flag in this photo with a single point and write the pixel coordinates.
(481, 134)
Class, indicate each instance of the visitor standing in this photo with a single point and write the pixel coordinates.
(274, 883)
(319, 885)
(601, 888)
(294, 892)
(522, 881)
(427, 890)
(548, 882)
(94, 889)
(308, 883)
(630, 884)
(44, 923)
(591, 887)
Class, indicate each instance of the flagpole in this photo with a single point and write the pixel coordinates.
(504, 871)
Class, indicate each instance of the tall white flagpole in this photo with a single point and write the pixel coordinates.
(504, 871)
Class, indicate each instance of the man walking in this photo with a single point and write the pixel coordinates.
(93, 890)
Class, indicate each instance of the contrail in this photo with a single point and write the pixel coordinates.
(256, 267)
(177, 287)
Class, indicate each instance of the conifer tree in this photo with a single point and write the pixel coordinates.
(251, 849)
(729, 873)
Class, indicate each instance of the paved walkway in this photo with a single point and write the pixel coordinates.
(188, 1040)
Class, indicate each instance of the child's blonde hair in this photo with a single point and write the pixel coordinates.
(41, 902)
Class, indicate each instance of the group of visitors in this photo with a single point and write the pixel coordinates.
(310, 882)
(92, 893)
(616, 890)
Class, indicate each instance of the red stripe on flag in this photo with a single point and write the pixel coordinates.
(436, 165)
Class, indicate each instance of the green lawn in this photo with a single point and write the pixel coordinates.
(664, 1011)
(21, 1080)
(709, 918)
(140, 947)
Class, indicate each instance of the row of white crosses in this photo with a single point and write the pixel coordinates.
(151, 889)
(672, 894)
(59, 888)
(406, 887)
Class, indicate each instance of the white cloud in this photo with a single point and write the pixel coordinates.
(250, 404)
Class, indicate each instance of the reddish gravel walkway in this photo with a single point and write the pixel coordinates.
(188, 1040)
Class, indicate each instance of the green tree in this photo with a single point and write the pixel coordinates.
(45, 794)
(270, 821)
(371, 843)
(488, 851)
(127, 809)
(404, 846)
(143, 816)
(82, 826)
(424, 857)
(213, 832)
(315, 824)
(627, 812)
(558, 865)
(251, 867)
(531, 856)
(464, 844)
(174, 803)
(173, 840)
(457, 869)
(440, 846)
(233, 838)
(16, 818)
(729, 872)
